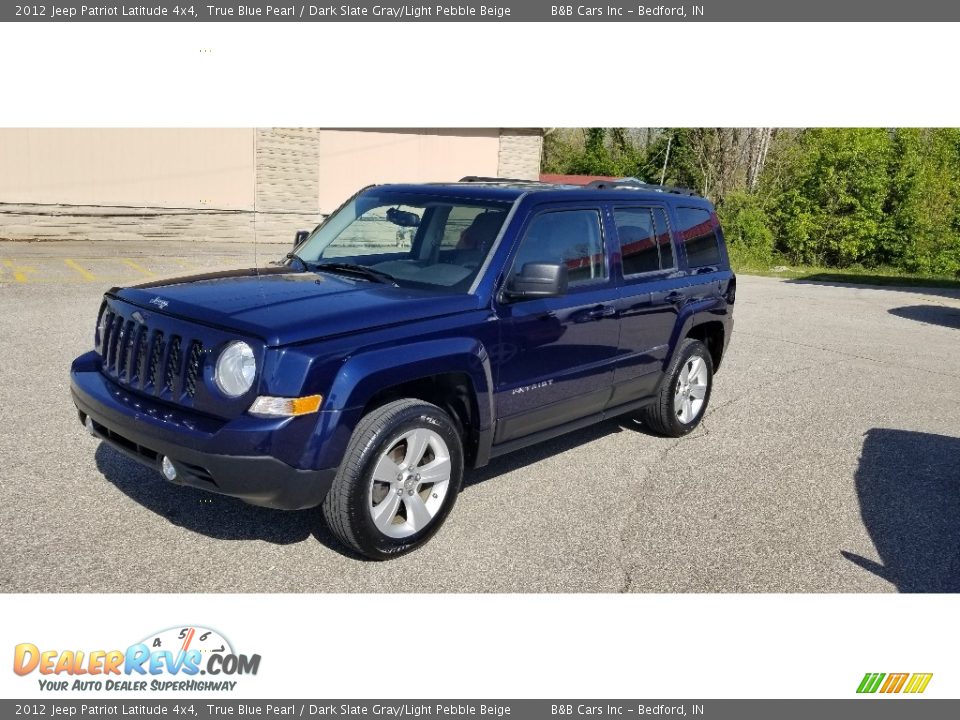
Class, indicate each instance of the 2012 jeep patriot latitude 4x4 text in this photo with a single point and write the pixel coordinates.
(419, 330)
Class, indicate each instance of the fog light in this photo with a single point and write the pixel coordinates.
(169, 471)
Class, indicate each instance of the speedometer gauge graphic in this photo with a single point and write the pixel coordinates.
(188, 637)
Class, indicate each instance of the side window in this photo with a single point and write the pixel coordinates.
(638, 247)
(571, 237)
(698, 231)
(644, 240)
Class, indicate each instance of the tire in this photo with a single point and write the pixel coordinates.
(380, 504)
(670, 415)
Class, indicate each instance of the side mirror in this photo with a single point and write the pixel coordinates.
(300, 237)
(537, 280)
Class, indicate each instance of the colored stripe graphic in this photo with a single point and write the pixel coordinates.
(895, 683)
(918, 683)
(870, 682)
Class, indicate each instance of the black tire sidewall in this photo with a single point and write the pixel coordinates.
(419, 416)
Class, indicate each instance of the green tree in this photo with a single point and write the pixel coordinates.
(828, 203)
(604, 151)
(923, 229)
(746, 228)
(833, 197)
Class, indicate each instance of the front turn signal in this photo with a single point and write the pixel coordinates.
(265, 406)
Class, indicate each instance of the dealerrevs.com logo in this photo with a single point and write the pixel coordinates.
(172, 660)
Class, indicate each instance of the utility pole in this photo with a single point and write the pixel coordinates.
(666, 159)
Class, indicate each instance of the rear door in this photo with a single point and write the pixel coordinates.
(653, 290)
(555, 362)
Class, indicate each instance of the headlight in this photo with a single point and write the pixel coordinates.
(236, 368)
(101, 329)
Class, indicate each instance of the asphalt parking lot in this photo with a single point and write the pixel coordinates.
(829, 461)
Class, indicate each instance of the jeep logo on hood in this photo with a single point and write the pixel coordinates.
(159, 302)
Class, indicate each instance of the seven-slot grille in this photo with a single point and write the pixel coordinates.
(149, 360)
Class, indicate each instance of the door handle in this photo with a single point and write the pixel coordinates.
(602, 311)
(675, 297)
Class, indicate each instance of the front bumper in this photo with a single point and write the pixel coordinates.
(146, 433)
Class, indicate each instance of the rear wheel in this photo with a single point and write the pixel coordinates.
(398, 480)
(685, 392)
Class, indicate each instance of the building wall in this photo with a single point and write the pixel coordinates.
(287, 169)
(520, 151)
(225, 184)
(351, 159)
(170, 167)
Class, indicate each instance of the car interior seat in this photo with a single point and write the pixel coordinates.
(477, 238)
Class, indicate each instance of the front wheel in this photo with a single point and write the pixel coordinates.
(685, 392)
(398, 480)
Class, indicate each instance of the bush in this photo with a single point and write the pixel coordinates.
(746, 228)
(830, 207)
(828, 197)
(923, 233)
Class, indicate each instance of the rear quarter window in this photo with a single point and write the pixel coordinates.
(698, 233)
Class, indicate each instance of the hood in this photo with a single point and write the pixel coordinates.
(283, 306)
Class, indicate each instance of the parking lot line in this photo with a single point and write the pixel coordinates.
(20, 272)
(135, 266)
(84, 273)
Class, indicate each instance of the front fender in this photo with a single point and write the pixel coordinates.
(364, 375)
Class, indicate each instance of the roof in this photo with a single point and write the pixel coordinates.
(509, 189)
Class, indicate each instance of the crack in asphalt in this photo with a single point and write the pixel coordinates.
(621, 557)
(847, 354)
(782, 379)
(686, 439)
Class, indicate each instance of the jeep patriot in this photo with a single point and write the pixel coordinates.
(418, 331)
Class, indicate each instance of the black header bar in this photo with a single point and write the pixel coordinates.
(216, 708)
(488, 11)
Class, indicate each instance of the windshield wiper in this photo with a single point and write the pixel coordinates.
(294, 256)
(361, 270)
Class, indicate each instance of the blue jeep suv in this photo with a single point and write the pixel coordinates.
(418, 331)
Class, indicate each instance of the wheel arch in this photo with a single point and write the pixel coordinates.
(453, 392)
(710, 333)
(454, 374)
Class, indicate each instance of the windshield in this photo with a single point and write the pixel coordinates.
(419, 240)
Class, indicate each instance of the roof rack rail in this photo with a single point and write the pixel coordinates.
(484, 179)
(638, 185)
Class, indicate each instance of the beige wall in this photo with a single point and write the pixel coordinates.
(67, 184)
(194, 168)
(351, 159)
(520, 150)
(300, 169)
